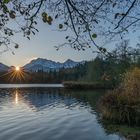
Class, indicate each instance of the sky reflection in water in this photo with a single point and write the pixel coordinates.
(52, 114)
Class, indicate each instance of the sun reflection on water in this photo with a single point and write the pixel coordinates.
(16, 97)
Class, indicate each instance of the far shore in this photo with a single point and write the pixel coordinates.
(65, 84)
(31, 86)
(85, 85)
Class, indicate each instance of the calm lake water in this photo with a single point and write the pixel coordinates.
(51, 114)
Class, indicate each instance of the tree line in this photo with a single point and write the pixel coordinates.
(52, 76)
(103, 69)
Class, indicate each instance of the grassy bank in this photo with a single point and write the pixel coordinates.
(130, 133)
(122, 105)
(85, 85)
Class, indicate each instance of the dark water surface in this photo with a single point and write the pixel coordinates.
(51, 114)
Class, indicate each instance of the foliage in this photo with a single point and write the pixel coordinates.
(131, 82)
(88, 20)
(107, 72)
(106, 69)
(130, 133)
(123, 104)
(95, 70)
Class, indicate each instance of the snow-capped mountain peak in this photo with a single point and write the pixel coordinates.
(47, 65)
(44, 65)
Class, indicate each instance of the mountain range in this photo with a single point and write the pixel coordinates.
(44, 65)
(4, 67)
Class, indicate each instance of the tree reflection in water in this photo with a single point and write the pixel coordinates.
(45, 99)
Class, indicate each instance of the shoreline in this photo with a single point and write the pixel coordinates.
(5, 86)
(85, 85)
(65, 84)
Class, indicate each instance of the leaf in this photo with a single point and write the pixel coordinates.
(66, 23)
(28, 32)
(50, 18)
(33, 32)
(5, 9)
(12, 14)
(114, 4)
(87, 27)
(44, 19)
(37, 30)
(100, 48)
(16, 46)
(94, 35)
(6, 1)
(44, 14)
(104, 50)
(56, 16)
(116, 15)
(96, 21)
(123, 14)
(28, 37)
(67, 37)
(35, 22)
(60, 26)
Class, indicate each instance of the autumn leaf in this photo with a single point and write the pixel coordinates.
(94, 35)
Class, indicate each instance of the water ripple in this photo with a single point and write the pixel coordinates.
(49, 115)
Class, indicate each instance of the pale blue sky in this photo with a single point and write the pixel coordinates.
(42, 45)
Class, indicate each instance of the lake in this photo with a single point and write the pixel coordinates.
(30, 86)
(49, 113)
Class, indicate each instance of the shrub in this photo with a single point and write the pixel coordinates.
(131, 82)
(122, 105)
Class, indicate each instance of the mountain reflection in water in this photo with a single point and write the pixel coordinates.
(52, 114)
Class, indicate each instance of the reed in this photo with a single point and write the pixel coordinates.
(85, 85)
(122, 105)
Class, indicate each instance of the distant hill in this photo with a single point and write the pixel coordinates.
(47, 65)
(4, 67)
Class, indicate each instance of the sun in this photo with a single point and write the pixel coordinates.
(17, 68)
(17, 73)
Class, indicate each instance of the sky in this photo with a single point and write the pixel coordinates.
(42, 46)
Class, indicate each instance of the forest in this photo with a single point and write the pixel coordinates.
(102, 69)
(52, 76)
